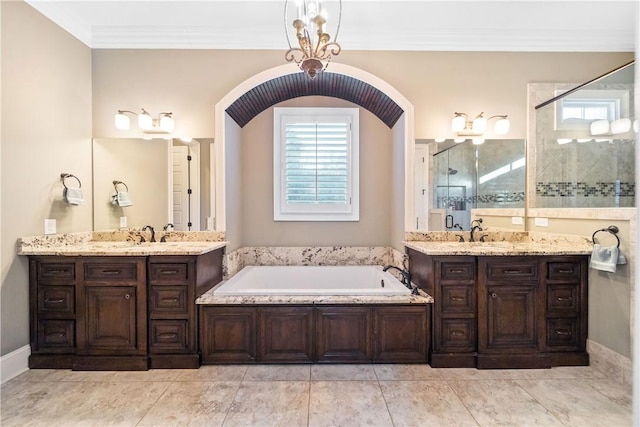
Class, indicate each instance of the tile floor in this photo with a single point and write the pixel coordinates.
(316, 395)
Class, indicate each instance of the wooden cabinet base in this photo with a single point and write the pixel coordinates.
(569, 359)
(51, 361)
(174, 361)
(514, 361)
(110, 363)
(452, 360)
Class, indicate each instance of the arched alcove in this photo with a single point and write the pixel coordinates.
(269, 87)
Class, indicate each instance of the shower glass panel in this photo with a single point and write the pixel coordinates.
(585, 145)
(467, 176)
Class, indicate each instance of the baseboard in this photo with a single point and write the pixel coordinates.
(14, 363)
(611, 363)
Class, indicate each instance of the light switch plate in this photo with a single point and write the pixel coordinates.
(541, 222)
(516, 220)
(49, 226)
(209, 223)
(123, 221)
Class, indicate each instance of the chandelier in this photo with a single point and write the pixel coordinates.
(463, 127)
(316, 49)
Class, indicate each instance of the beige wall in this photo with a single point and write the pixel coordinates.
(143, 166)
(46, 112)
(258, 226)
(234, 184)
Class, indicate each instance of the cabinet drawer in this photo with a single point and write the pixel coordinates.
(56, 335)
(56, 270)
(512, 270)
(169, 336)
(168, 272)
(457, 335)
(457, 270)
(563, 332)
(458, 299)
(563, 270)
(56, 300)
(168, 299)
(563, 298)
(110, 271)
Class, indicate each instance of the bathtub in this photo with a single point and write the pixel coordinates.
(312, 280)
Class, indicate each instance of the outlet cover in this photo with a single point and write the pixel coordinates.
(541, 222)
(49, 226)
(123, 221)
(209, 223)
(516, 220)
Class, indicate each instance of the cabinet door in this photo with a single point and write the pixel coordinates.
(401, 334)
(111, 315)
(344, 334)
(286, 334)
(509, 317)
(227, 334)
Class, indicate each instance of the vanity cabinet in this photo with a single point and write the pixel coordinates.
(505, 311)
(307, 333)
(117, 312)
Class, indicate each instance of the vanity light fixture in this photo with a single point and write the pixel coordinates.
(310, 23)
(462, 126)
(164, 123)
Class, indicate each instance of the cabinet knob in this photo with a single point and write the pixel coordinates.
(494, 295)
(127, 296)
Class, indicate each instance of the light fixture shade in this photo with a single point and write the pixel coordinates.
(583, 140)
(562, 141)
(439, 140)
(477, 141)
(122, 121)
(458, 123)
(479, 125)
(599, 127)
(145, 122)
(620, 126)
(167, 124)
(459, 140)
(502, 126)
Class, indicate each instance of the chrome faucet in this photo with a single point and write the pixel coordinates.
(475, 227)
(153, 233)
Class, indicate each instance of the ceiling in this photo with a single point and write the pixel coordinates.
(428, 25)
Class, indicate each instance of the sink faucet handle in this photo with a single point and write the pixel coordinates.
(167, 225)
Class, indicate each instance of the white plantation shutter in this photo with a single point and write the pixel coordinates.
(314, 158)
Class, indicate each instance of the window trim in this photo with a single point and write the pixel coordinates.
(283, 211)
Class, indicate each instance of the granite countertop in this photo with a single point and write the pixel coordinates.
(124, 249)
(548, 247)
(210, 299)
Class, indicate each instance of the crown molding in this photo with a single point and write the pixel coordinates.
(64, 18)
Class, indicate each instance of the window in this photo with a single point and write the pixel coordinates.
(577, 110)
(315, 164)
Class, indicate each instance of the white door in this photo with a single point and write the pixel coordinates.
(186, 207)
(421, 183)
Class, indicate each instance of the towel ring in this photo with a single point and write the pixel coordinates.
(115, 185)
(610, 229)
(64, 176)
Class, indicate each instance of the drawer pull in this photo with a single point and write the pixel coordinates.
(512, 271)
(127, 296)
(111, 272)
(168, 271)
(565, 271)
(57, 335)
(457, 298)
(170, 299)
(54, 301)
(457, 270)
(564, 299)
(562, 332)
(168, 335)
(458, 333)
(63, 270)
(494, 295)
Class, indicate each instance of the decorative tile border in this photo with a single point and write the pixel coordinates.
(495, 198)
(585, 189)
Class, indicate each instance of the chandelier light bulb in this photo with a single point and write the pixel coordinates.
(502, 126)
(620, 126)
(479, 124)
(122, 121)
(167, 123)
(145, 122)
(599, 127)
(458, 123)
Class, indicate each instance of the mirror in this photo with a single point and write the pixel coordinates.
(455, 178)
(585, 143)
(156, 176)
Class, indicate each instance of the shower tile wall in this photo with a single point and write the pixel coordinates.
(507, 189)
